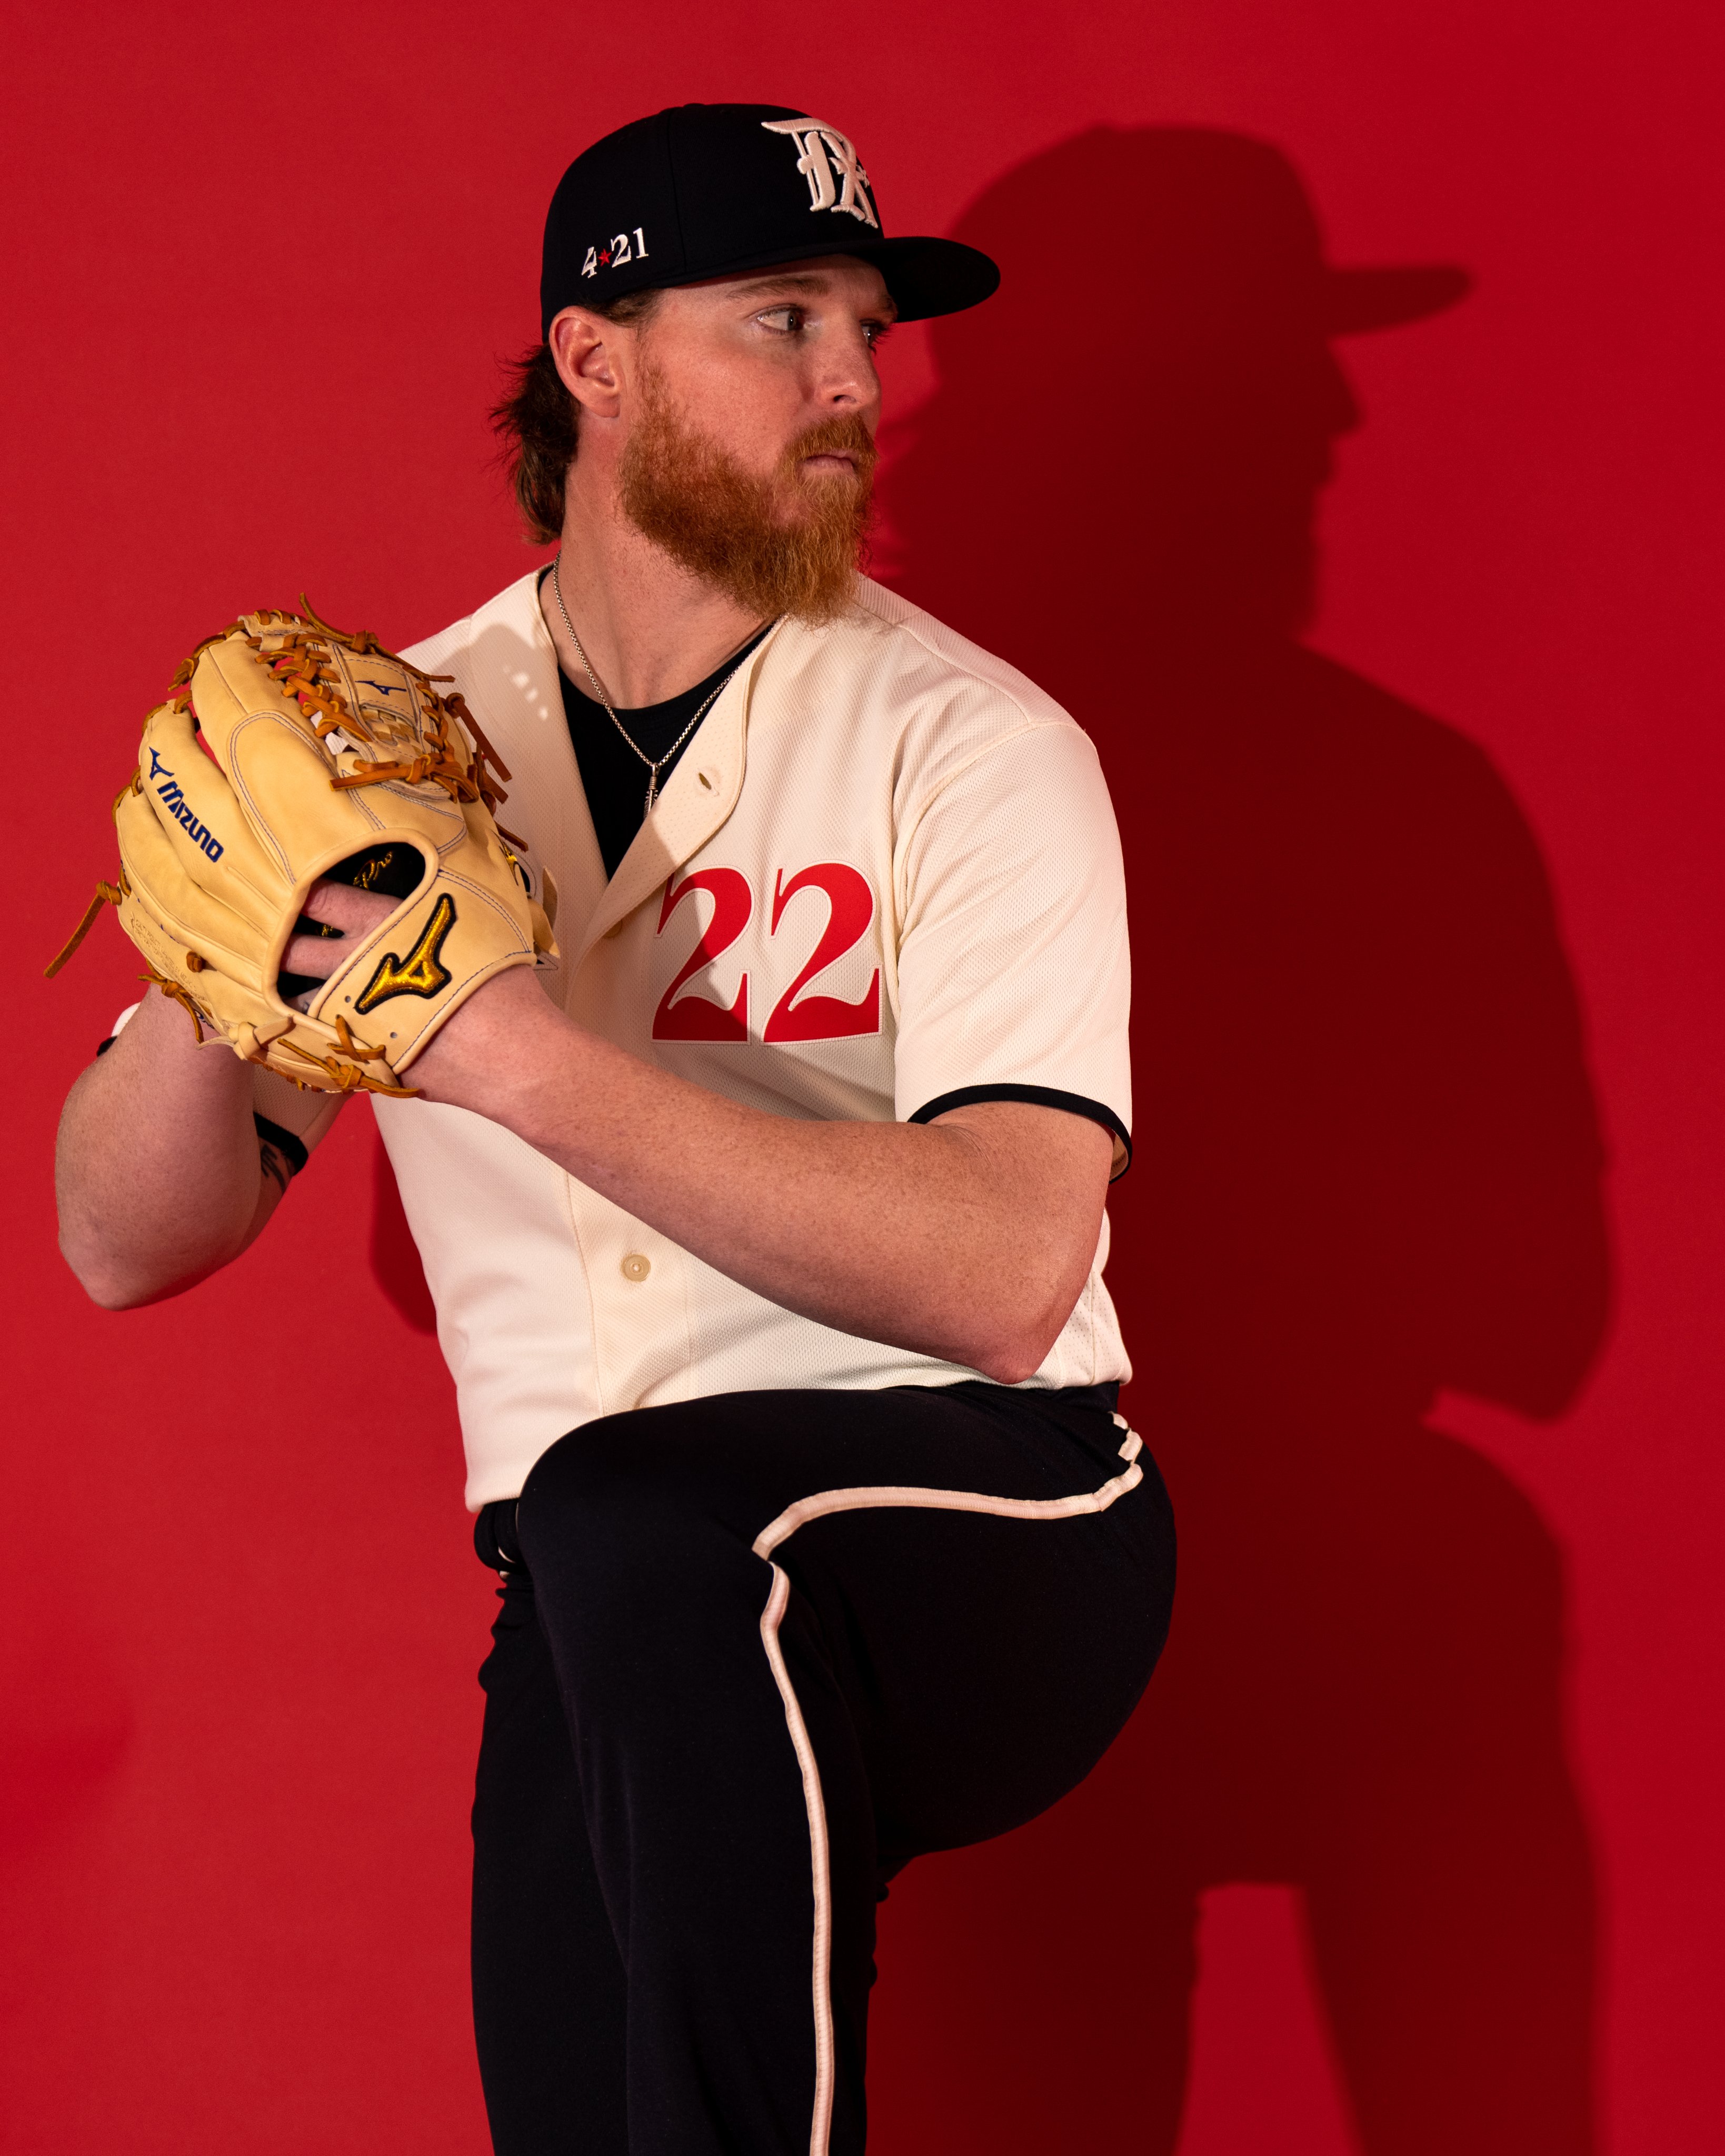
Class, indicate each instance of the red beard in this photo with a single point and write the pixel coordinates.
(785, 544)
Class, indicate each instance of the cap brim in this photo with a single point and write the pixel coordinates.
(1356, 300)
(930, 277)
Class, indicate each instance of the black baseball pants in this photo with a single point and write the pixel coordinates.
(755, 1652)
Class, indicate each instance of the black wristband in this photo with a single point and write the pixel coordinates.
(284, 1143)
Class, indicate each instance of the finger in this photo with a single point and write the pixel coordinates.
(340, 906)
(317, 956)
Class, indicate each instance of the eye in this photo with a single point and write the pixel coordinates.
(874, 334)
(784, 321)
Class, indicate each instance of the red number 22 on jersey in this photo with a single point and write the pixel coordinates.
(850, 910)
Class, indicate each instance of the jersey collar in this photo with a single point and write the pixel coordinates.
(698, 797)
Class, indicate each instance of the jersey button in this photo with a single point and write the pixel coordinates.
(635, 1267)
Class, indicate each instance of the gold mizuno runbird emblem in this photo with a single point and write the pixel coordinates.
(421, 972)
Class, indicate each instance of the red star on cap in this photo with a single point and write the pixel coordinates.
(604, 258)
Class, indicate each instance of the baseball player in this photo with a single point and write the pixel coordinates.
(765, 1221)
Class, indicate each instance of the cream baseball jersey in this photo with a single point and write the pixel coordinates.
(883, 880)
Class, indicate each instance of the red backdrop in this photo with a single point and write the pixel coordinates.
(1414, 1846)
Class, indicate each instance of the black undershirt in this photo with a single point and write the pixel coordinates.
(615, 779)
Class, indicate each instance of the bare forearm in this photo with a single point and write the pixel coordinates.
(156, 1169)
(954, 1239)
(885, 1230)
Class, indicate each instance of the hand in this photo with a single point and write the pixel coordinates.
(477, 1050)
(341, 906)
(490, 1052)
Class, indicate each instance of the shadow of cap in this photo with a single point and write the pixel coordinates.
(1206, 221)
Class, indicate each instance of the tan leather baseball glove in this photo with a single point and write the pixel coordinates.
(291, 752)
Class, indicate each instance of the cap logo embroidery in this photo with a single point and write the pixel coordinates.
(830, 165)
(614, 254)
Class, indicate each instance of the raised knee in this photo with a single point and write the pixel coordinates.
(591, 1487)
(603, 1517)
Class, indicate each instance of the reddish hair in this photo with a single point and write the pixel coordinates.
(536, 420)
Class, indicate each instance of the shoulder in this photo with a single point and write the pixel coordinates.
(893, 651)
(484, 637)
(908, 687)
(501, 660)
(913, 645)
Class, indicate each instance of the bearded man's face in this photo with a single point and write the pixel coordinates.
(750, 454)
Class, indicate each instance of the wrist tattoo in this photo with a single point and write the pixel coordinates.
(281, 1154)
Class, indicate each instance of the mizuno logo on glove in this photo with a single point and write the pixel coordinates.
(175, 802)
(421, 972)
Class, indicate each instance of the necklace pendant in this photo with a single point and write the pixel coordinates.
(652, 794)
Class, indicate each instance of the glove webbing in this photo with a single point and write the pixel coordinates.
(319, 697)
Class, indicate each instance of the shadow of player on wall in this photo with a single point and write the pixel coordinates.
(1368, 1168)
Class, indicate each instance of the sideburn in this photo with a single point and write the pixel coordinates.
(723, 525)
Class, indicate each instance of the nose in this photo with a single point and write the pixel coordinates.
(847, 380)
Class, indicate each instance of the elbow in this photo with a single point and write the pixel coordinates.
(1012, 1355)
(106, 1288)
(1008, 1368)
(113, 1295)
(114, 1292)
(119, 1268)
(1009, 1343)
(109, 1284)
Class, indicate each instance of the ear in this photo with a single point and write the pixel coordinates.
(584, 346)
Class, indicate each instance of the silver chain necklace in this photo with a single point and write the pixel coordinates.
(653, 768)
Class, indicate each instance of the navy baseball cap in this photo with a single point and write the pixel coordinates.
(715, 190)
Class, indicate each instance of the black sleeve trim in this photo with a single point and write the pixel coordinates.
(291, 1148)
(1038, 1097)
